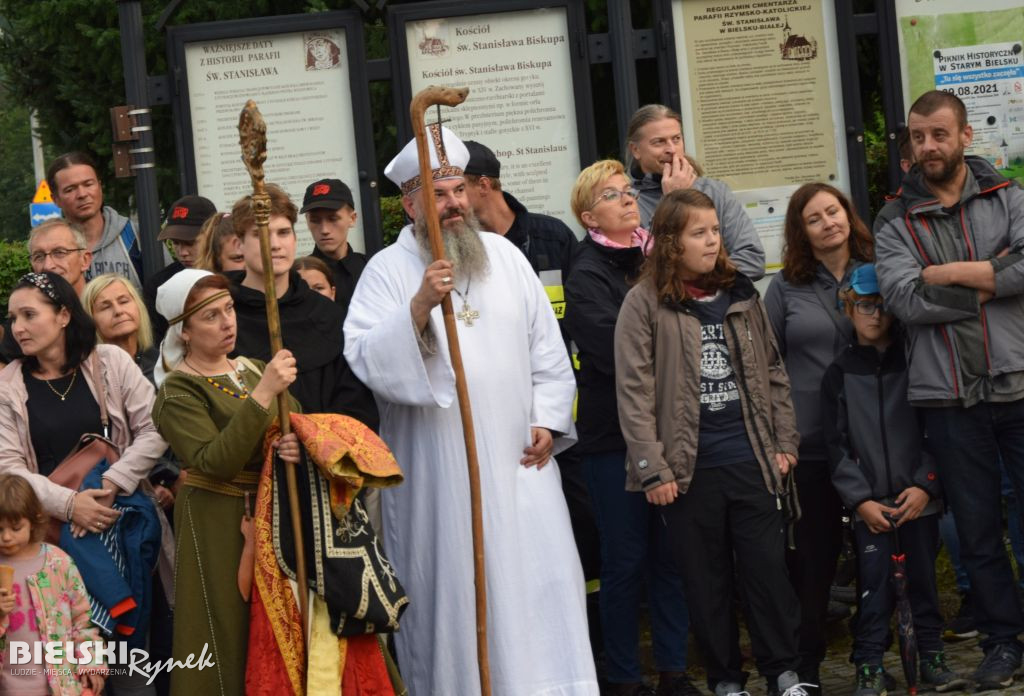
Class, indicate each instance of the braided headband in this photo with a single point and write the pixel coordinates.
(43, 282)
(199, 305)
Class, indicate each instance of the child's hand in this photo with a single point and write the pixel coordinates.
(874, 514)
(92, 681)
(785, 462)
(6, 602)
(912, 502)
(664, 494)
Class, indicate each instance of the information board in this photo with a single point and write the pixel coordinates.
(518, 65)
(301, 81)
(761, 101)
(976, 55)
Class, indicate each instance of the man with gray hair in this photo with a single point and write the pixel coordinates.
(521, 388)
(59, 246)
(660, 164)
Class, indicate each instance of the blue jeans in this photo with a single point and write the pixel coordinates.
(968, 444)
(634, 553)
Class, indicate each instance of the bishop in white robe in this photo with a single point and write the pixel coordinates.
(519, 378)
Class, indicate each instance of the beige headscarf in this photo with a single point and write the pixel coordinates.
(170, 302)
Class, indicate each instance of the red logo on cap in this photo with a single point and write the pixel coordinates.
(179, 212)
(321, 190)
(931, 475)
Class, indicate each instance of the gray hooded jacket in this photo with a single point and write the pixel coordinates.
(738, 233)
(118, 251)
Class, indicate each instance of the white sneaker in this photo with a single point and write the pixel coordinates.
(790, 685)
(729, 689)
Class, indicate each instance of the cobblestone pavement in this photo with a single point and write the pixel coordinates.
(837, 672)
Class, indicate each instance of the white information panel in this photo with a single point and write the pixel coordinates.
(521, 104)
(977, 55)
(300, 81)
(761, 99)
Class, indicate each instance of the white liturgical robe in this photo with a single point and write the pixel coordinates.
(519, 376)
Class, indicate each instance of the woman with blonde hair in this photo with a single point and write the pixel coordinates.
(633, 548)
(121, 319)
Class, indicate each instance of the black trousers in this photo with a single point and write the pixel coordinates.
(812, 566)
(876, 597)
(728, 514)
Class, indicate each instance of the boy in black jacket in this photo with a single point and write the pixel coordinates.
(883, 473)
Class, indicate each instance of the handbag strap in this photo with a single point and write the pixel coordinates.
(831, 307)
(101, 392)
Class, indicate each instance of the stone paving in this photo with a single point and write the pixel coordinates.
(837, 672)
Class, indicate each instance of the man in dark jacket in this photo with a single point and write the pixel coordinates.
(951, 268)
(549, 246)
(311, 325)
(546, 241)
(184, 220)
(330, 212)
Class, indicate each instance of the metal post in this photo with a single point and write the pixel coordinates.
(147, 202)
(852, 110)
(620, 36)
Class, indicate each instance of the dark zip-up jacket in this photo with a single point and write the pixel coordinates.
(875, 438)
(346, 272)
(658, 356)
(597, 285)
(960, 351)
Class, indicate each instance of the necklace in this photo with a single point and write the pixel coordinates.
(220, 387)
(67, 391)
(468, 315)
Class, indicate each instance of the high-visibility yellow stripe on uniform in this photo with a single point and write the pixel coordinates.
(552, 282)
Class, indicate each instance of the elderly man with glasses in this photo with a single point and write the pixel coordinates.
(59, 246)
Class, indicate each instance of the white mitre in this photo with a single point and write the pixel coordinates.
(448, 159)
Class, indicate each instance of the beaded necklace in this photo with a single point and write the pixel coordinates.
(220, 387)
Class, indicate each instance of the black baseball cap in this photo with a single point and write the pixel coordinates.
(482, 161)
(185, 217)
(327, 193)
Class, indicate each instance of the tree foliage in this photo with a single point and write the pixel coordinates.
(63, 59)
(16, 176)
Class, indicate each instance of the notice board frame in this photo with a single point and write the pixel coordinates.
(348, 20)
(400, 15)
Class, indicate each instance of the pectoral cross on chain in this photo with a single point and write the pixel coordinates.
(467, 316)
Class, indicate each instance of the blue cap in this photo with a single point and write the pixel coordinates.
(863, 280)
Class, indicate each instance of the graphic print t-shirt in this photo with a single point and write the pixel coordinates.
(723, 437)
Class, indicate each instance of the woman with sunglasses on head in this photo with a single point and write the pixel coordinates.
(825, 241)
(632, 548)
(49, 399)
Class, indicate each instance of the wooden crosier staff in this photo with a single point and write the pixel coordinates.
(450, 96)
(252, 131)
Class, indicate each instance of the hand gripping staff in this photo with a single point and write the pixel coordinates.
(252, 131)
(451, 96)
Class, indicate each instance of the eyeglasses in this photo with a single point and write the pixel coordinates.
(611, 195)
(58, 254)
(868, 307)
